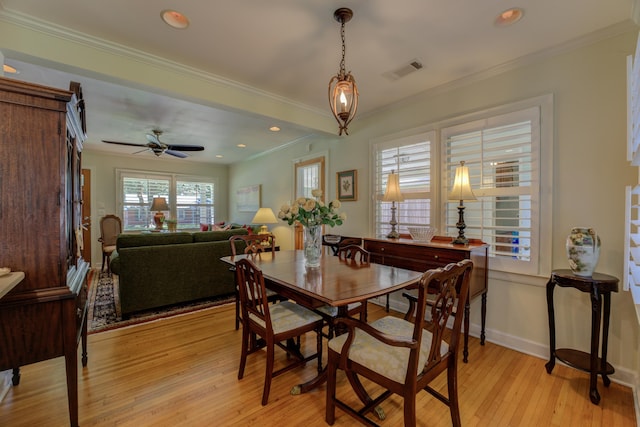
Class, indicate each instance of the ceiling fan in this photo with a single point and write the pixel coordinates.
(154, 144)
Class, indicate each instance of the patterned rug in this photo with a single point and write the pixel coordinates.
(104, 307)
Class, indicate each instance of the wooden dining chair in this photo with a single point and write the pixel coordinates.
(254, 245)
(357, 256)
(402, 356)
(277, 324)
(110, 228)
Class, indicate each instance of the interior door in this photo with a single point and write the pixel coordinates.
(86, 214)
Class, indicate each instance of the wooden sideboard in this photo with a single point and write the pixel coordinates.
(421, 256)
(44, 316)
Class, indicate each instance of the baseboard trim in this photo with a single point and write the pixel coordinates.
(622, 376)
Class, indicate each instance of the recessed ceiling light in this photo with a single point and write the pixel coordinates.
(509, 17)
(242, 145)
(174, 19)
(274, 129)
(9, 69)
(219, 156)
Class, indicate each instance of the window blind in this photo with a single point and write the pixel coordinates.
(411, 159)
(502, 154)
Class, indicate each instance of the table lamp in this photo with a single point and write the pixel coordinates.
(264, 216)
(159, 204)
(461, 191)
(393, 195)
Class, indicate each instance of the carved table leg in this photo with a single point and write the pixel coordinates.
(552, 327)
(596, 313)
(483, 319)
(15, 380)
(605, 338)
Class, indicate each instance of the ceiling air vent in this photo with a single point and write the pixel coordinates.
(411, 67)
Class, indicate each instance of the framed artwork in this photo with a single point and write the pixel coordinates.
(248, 198)
(347, 183)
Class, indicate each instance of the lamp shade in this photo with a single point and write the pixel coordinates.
(392, 193)
(159, 204)
(461, 186)
(264, 216)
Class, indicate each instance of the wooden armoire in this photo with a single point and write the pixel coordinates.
(41, 134)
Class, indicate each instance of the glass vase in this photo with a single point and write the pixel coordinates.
(312, 245)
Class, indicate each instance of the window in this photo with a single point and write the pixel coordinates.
(508, 151)
(191, 200)
(410, 158)
(309, 177)
(502, 155)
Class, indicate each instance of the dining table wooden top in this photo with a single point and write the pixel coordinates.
(336, 282)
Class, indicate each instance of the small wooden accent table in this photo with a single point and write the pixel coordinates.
(598, 285)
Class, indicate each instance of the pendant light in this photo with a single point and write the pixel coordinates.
(343, 92)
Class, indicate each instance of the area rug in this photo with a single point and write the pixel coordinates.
(104, 307)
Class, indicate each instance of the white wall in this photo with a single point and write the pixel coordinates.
(590, 173)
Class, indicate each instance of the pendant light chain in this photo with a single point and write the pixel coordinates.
(343, 92)
(344, 50)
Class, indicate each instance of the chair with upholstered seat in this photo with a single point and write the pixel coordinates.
(403, 356)
(110, 228)
(254, 245)
(357, 256)
(277, 324)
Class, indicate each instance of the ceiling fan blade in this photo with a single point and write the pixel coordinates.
(176, 153)
(125, 143)
(181, 147)
(153, 139)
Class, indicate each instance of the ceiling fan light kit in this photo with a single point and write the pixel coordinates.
(343, 92)
(158, 148)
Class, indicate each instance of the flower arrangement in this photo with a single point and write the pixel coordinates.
(310, 212)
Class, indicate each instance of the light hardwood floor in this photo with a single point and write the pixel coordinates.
(183, 372)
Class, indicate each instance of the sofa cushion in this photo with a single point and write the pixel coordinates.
(152, 239)
(214, 236)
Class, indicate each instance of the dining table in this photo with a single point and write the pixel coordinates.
(336, 282)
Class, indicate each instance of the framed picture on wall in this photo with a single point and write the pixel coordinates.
(248, 198)
(347, 183)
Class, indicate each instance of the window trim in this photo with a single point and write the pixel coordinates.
(173, 180)
(545, 103)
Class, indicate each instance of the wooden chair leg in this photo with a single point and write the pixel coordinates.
(410, 410)
(452, 385)
(330, 406)
(319, 347)
(243, 353)
(268, 373)
(237, 309)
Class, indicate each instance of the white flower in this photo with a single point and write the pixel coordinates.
(309, 211)
(343, 216)
(316, 193)
(336, 204)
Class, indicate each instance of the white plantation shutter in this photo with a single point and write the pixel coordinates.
(411, 159)
(503, 156)
(191, 199)
(137, 193)
(194, 204)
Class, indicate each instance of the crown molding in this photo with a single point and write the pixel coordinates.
(589, 39)
(53, 30)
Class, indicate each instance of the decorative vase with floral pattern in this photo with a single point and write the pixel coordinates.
(312, 245)
(583, 250)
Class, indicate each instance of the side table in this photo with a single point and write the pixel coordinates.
(598, 286)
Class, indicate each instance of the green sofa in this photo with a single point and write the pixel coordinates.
(160, 269)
